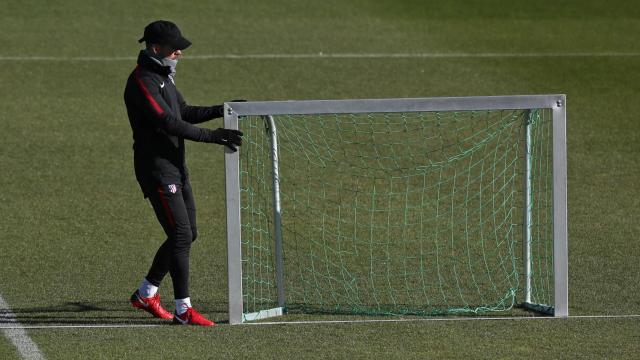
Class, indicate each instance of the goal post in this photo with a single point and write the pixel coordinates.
(426, 206)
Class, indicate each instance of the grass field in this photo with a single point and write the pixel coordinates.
(77, 235)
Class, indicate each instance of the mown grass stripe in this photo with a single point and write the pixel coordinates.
(319, 322)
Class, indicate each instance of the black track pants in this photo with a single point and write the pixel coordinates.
(176, 211)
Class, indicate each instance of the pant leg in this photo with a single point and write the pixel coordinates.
(190, 203)
(173, 255)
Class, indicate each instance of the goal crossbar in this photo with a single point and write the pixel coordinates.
(301, 107)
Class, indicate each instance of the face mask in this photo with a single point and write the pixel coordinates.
(164, 62)
(170, 63)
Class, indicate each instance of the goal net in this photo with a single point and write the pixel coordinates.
(395, 207)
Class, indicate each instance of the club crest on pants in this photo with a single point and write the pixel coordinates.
(172, 188)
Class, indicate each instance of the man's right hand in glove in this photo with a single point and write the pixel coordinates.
(229, 138)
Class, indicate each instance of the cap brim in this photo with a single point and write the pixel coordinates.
(180, 43)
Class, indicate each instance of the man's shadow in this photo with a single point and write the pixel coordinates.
(96, 313)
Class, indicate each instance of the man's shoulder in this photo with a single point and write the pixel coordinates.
(147, 75)
(141, 79)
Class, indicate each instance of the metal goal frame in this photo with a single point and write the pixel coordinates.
(556, 103)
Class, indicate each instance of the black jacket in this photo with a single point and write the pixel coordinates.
(161, 120)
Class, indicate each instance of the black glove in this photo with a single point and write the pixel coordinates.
(227, 137)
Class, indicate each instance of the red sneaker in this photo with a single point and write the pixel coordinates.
(151, 305)
(192, 317)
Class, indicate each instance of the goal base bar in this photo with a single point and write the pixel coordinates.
(263, 314)
(539, 308)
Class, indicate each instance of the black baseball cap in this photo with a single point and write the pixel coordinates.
(165, 33)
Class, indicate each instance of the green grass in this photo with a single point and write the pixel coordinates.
(7, 350)
(477, 339)
(77, 235)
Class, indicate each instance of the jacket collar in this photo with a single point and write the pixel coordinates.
(145, 61)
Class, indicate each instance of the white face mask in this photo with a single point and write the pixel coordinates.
(170, 63)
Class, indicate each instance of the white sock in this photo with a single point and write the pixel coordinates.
(147, 289)
(182, 305)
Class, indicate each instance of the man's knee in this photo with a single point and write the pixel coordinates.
(183, 237)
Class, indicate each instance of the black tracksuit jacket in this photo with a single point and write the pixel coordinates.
(161, 120)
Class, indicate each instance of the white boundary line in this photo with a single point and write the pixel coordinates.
(17, 334)
(319, 322)
(320, 55)
(633, 316)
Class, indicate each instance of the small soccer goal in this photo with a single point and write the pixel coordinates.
(397, 207)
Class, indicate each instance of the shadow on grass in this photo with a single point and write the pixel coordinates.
(95, 313)
(383, 311)
(121, 313)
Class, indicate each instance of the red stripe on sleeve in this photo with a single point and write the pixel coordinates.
(147, 94)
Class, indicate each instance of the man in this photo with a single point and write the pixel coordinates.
(161, 120)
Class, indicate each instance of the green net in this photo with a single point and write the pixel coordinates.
(397, 213)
